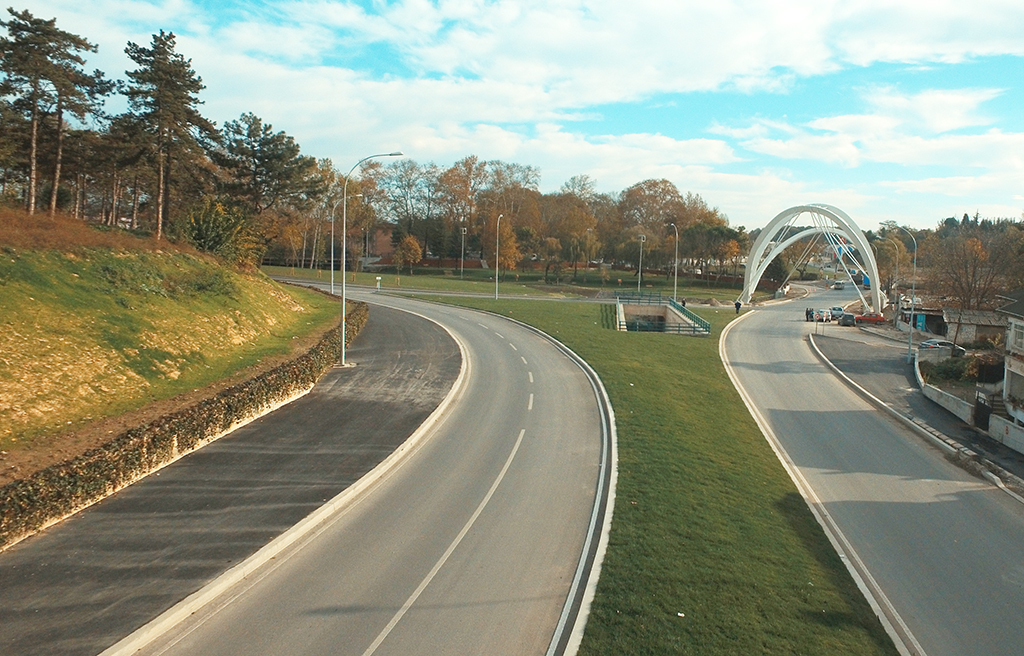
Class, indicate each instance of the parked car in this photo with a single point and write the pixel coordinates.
(837, 311)
(822, 315)
(942, 343)
(870, 317)
(847, 319)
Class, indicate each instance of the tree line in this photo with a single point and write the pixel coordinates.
(243, 189)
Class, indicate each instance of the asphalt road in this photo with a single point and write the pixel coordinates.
(942, 546)
(469, 546)
(880, 365)
(82, 585)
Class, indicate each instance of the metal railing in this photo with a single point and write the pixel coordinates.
(696, 325)
(640, 298)
(703, 324)
(639, 325)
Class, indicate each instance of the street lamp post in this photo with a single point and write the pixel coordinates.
(497, 243)
(896, 279)
(462, 260)
(640, 269)
(913, 292)
(675, 262)
(344, 244)
(334, 210)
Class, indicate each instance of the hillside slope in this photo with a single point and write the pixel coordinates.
(94, 332)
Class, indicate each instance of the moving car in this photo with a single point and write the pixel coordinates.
(837, 311)
(870, 317)
(942, 343)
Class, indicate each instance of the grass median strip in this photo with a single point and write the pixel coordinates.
(712, 550)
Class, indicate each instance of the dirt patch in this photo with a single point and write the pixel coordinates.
(50, 449)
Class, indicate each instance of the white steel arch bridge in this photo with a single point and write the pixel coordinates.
(830, 222)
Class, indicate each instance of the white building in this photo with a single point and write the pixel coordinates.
(1013, 380)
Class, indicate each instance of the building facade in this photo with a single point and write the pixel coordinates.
(1013, 380)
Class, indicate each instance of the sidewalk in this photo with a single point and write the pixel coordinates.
(876, 359)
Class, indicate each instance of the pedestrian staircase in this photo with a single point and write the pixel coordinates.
(998, 406)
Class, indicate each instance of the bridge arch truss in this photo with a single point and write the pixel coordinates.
(839, 231)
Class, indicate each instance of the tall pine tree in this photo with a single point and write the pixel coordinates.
(42, 69)
(163, 92)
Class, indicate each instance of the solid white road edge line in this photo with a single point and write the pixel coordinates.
(608, 474)
(209, 593)
(894, 625)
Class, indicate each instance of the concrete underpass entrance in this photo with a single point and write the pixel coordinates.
(641, 312)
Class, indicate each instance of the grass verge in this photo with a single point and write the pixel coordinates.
(517, 283)
(712, 549)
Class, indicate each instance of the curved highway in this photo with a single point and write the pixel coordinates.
(938, 550)
(471, 545)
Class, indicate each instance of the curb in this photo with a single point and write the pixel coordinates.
(572, 622)
(959, 453)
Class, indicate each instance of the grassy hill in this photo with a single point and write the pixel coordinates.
(94, 325)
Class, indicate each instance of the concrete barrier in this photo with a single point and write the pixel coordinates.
(956, 405)
(1005, 431)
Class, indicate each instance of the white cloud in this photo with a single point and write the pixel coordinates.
(506, 78)
(934, 110)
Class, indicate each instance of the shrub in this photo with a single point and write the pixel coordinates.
(950, 370)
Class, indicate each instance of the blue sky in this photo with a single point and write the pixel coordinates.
(891, 110)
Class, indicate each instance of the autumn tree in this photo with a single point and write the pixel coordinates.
(407, 253)
(509, 254)
(650, 204)
(969, 266)
(460, 185)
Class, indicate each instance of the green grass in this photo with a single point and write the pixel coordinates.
(516, 283)
(707, 523)
(426, 280)
(99, 332)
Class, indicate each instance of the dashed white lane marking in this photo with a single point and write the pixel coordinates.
(447, 554)
(481, 325)
(523, 359)
(531, 376)
(500, 336)
(529, 406)
(513, 346)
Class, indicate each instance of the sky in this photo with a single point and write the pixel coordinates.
(892, 110)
